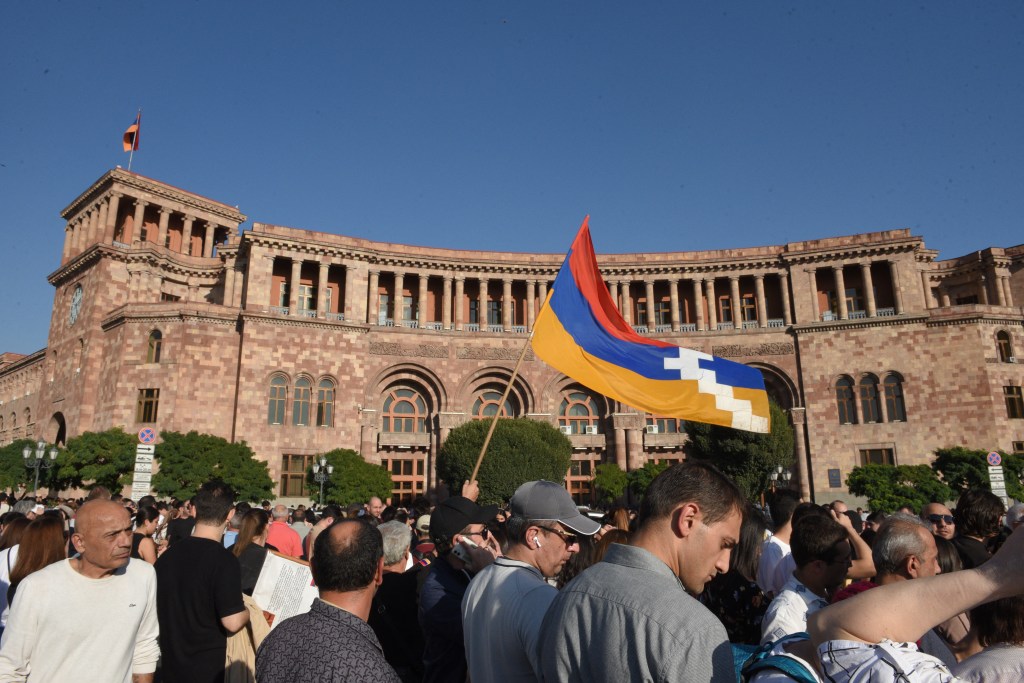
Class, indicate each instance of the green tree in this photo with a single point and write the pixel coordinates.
(353, 480)
(187, 461)
(639, 479)
(610, 482)
(13, 473)
(95, 459)
(888, 488)
(745, 457)
(521, 450)
(964, 468)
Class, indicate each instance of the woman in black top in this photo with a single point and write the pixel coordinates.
(143, 547)
(250, 548)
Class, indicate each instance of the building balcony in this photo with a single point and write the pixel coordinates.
(750, 325)
(726, 326)
(688, 327)
(885, 312)
(776, 322)
(640, 329)
(437, 327)
(279, 310)
(334, 316)
(404, 439)
(471, 327)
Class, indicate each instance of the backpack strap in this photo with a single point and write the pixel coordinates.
(763, 658)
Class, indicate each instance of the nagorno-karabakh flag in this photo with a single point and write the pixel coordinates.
(580, 333)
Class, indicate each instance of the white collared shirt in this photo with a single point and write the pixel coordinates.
(788, 611)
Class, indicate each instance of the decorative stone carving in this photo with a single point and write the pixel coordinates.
(415, 350)
(770, 349)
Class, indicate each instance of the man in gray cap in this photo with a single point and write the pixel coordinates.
(503, 609)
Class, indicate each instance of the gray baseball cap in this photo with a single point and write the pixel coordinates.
(547, 501)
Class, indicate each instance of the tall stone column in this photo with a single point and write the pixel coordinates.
(293, 286)
(627, 302)
(398, 300)
(481, 306)
(372, 287)
(1007, 292)
(69, 236)
(186, 235)
(844, 314)
(208, 240)
(531, 304)
(621, 454)
(997, 284)
(421, 317)
(98, 230)
(983, 290)
(613, 291)
(94, 222)
(787, 313)
(815, 310)
(869, 288)
(734, 294)
(543, 291)
(265, 297)
(321, 289)
(446, 305)
(673, 303)
(897, 293)
(709, 286)
(111, 226)
(926, 288)
(698, 303)
(762, 307)
(76, 235)
(161, 235)
(649, 296)
(136, 229)
(506, 304)
(634, 449)
(459, 308)
(798, 416)
(943, 296)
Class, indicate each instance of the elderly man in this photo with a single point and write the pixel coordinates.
(689, 522)
(332, 642)
(88, 618)
(285, 539)
(939, 517)
(506, 602)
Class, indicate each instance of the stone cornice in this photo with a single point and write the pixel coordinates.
(158, 257)
(169, 312)
(308, 323)
(860, 323)
(22, 364)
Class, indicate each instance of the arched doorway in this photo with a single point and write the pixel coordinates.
(57, 430)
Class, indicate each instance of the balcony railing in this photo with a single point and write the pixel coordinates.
(335, 316)
(659, 329)
(307, 313)
(750, 325)
(411, 323)
(279, 310)
(519, 329)
(640, 329)
(885, 312)
(829, 316)
(495, 328)
(857, 315)
(435, 326)
(776, 322)
(122, 245)
(471, 327)
(387, 322)
(688, 327)
(725, 326)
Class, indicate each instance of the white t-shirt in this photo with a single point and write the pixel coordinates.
(999, 663)
(787, 614)
(7, 559)
(776, 565)
(66, 627)
(846, 661)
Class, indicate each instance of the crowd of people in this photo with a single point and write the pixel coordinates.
(697, 584)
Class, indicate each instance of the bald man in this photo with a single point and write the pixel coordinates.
(88, 618)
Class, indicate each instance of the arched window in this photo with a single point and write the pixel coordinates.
(278, 396)
(156, 341)
(14, 420)
(404, 411)
(487, 403)
(300, 402)
(845, 401)
(325, 403)
(579, 413)
(870, 406)
(1005, 347)
(894, 406)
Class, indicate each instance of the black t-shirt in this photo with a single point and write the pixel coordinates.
(180, 528)
(198, 583)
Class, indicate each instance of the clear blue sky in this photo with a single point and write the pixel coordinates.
(499, 125)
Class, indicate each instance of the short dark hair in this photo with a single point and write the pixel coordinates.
(806, 510)
(783, 503)
(816, 537)
(691, 482)
(213, 502)
(348, 563)
(332, 511)
(978, 512)
(745, 555)
(999, 621)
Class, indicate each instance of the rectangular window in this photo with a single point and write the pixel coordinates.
(383, 306)
(662, 312)
(724, 309)
(306, 300)
(164, 296)
(408, 308)
(293, 475)
(854, 301)
(667, 425)
(748, 308)
(474, 312)
(149, 402)
(1018, 446)
(640, 312)
(1014, 403)
(494, 313)
(967, 300)
(282, 295)
(877, 456)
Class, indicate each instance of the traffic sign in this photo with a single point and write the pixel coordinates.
(147, 435)
(994, 459)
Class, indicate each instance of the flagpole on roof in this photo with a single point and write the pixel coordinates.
(497, 413)
(135, 137)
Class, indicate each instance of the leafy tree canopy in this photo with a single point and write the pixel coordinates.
(610, 482)
(521, 450)
(745, 457)
(964, 468)
(353, 480)
(888, 488)
(13, 472)
(639, 479)
(187, 461)
(95, 459)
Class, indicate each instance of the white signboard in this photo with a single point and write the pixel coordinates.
(285, 588)
(144, 453)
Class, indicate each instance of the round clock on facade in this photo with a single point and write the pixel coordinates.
(76, 305)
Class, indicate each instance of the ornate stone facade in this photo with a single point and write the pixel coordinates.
(299, 342)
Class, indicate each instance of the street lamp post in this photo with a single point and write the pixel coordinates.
(322, 473)
(37, 459)
(776, 473)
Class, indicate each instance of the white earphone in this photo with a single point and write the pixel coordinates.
(536, 541)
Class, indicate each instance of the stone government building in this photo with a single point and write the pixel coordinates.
(298, 342)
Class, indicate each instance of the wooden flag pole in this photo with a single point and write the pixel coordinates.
(497, 413)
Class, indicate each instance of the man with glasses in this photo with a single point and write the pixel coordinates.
(506, 602)
(458, 521)
(941, 520)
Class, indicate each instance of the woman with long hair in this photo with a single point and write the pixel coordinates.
(9, 545)
(250, 548)
(143, 545)
(42, 544)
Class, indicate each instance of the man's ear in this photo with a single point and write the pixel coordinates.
(231, 513)
(685, 518)
(78, 542)
(911, 566)
(379, 578)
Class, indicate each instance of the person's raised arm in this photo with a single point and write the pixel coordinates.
(864, 566)
(904, 611)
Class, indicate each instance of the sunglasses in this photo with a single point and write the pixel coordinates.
(935, 519)
(485, 534)
(570, 539)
